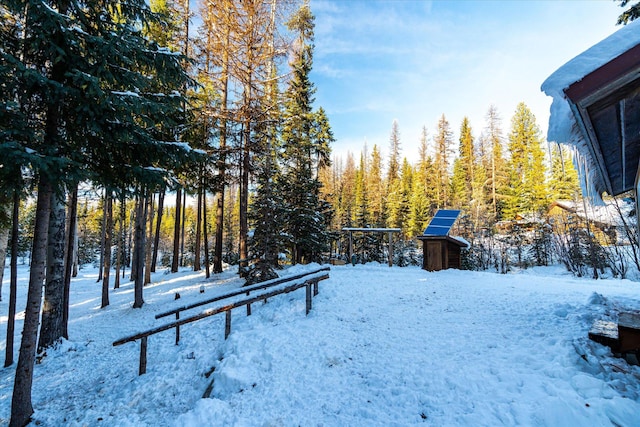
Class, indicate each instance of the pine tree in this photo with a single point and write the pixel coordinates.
(563, 183)
(301, 150)
(100, 86)
(443, 142)
(419, 212)
(377, 189)
(527, 192)
(479, 203)
(494, 162)
(463, 170)
(426, 172)
(393, 171)
(361, 214)
(347, 192)
(266, 213)
(631, 14)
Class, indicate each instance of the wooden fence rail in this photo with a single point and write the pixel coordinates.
(245, 290)
(143, 336)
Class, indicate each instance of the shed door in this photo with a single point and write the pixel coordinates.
(434, 256)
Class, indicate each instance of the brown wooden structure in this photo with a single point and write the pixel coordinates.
(308, 280)
(389, 231)
(623, 338)
(441, 252)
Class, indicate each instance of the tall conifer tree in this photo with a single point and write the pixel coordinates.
(443, 141)
(527, 192)
(103, 90)
(302, 148)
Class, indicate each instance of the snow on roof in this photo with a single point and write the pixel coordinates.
(463, 241)
(606, 214)
(563, 127)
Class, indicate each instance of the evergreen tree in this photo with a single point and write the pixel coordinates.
(527, 192)
(347, 199)
(101, 89)
(419, 212)
(479, 206)
(407, 189)
(458, 186)
(394, 202)
(266, 213)
(393, 172)
(631, 14)
(361, 213)
(426, 173)
(302, 147)
(463, 168)
(563, 183)
(377, 189)
(443, 142)
(494, 162)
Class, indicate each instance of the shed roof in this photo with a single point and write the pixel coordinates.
(596, 107)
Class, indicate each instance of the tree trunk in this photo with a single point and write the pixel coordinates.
(121, 241)
(217, 248)
(108, 227)
(70, 253)
(13, 284)
(21, 406)
(156, 241)
(4, 240)
(138, 264)
(129, 245)
(184, 220)
(133, 248)
(103, 236)
(149, 238)
(176, 232)
(51, 329)
(197, 247)
(244, 197)
(222, 161)
(205, 234)
(74, 272)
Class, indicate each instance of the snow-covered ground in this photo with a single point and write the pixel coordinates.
(381, 347)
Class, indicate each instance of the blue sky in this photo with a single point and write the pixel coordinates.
(414, 60)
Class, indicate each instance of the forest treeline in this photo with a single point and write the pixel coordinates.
(493, 177)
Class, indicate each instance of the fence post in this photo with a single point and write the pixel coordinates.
(315, 288)
(143, 356)
(308, 288)
(227, 323)
(248, 307)
(177, 328)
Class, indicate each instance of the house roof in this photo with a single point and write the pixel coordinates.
(596, 108)
(608, 214)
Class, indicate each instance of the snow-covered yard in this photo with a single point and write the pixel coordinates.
(381, 347)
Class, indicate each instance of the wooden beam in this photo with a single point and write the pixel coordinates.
(143, 356)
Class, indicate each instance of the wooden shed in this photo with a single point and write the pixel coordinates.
(441, 252)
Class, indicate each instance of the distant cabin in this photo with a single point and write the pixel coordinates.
(604, 228)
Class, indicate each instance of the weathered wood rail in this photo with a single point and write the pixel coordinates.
(310, 283)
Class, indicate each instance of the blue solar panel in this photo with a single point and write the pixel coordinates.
(441, 222)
